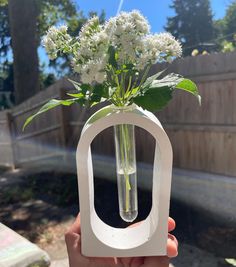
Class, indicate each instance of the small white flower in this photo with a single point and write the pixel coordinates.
(55, 40)
(89, 27)
(168, 44)
(63, 29)
(141, 22)
(128, 33)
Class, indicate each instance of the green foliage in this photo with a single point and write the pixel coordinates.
(6, 85)
(50, 13)
(158, 93)
(230, 21)
(63, 11)
(227, 46)
(49, 105)
(4, 31)
(57, 186)
(152, 95)
(122, 82)
(16, 194)
(226, 29)
(3, 2)
(192, 24)
(112, 57)
(74, 20)
(150, 80)
(155, 98)
(231, 261)
(190, 87)
(46, 79)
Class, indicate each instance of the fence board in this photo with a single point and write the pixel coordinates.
(6, 154)
(203, 138)
(46, 135)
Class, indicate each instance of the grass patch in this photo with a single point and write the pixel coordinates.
(59, 188)
(16, 194)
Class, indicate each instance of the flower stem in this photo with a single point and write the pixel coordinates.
(125, 161)
(126, 170)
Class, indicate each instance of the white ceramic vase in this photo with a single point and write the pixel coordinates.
(149, 238)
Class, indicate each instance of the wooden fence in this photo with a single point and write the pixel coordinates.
(203, 138)
(6, 155)
(46, 137)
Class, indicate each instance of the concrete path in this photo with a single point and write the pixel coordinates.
(210, 193)
(188, 256)
(60, 263)
(204, 191)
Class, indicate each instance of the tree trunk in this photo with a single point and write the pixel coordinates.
(23, 22)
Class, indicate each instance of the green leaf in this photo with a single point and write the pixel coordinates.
(101, 90)
(86, 88)
(176, 81)
(134, 92)
(3, 2)
(170, 80)
(94, 99)
(79, 95)
(155, 98)
(99, 93)
(150, 79)
(231, 261)
(189, 86)
(49, 105)
(157, 93)
(79, 98)
(113, 56)
(111, 91)
(83, 88)
(76, 85)
(128, 67)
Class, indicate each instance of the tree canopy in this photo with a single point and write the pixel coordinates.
(50, 12)
(22, 24)
(230, 20)
(226, 29)
(192, 24)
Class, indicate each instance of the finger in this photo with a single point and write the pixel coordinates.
(125, 261)
(132, 261)
(75, 227)
(135, 224)
(157, 261)
(172, 246)
(72, 235)
(137, 262)
(171, 224)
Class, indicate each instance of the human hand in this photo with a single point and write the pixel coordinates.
(76, 259)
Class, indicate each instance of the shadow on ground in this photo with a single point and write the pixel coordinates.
(37, 200)
(28, 203)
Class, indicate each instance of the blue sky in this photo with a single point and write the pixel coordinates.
(156, 11)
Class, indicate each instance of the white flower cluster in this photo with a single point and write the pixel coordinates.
(91, 59)
(126, 32)
(55, 40)
(129, 35)
(157, 48)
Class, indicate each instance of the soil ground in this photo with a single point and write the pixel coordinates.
(41, 206)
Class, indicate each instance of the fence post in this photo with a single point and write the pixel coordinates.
(11, 131)
(64, 124)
